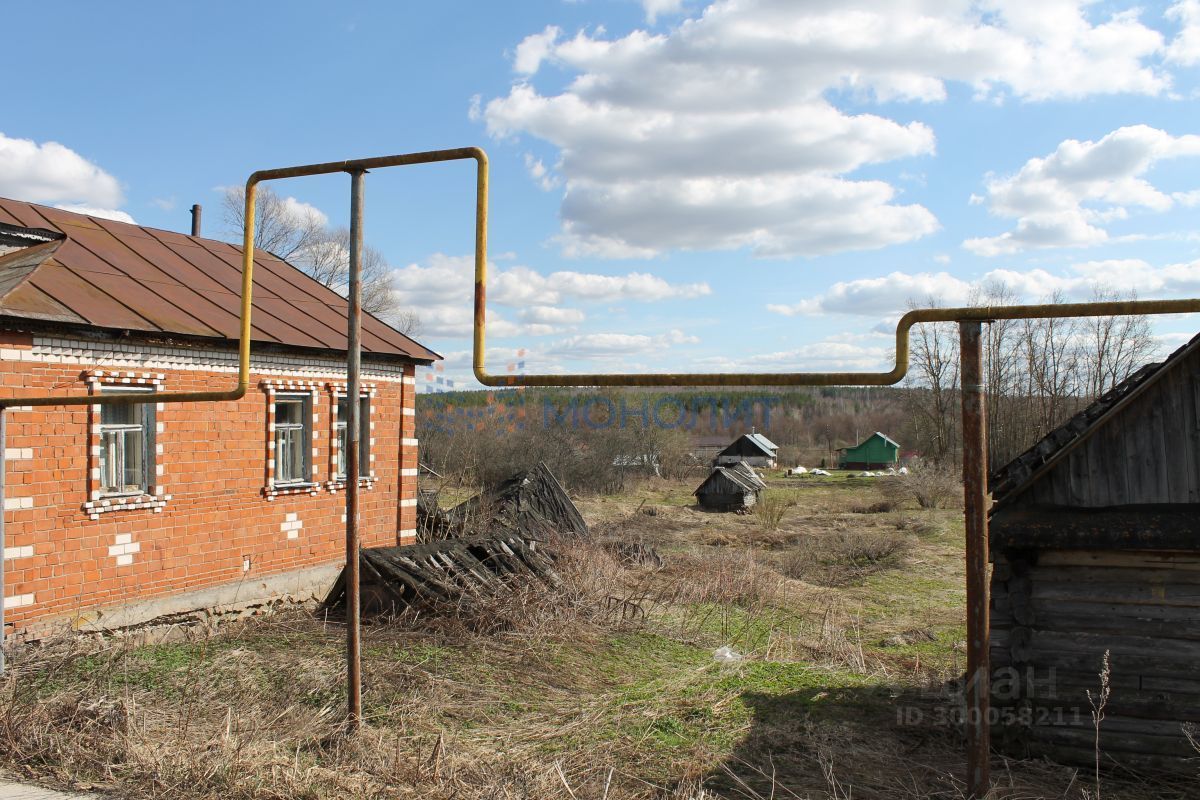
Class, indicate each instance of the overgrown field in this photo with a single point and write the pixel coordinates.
(844, 615)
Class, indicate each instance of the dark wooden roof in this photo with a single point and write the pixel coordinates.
(1020, 473)
(119, 277)
(749, 444)
(723, 479)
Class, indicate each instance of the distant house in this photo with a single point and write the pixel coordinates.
(729, 489)
(647, 463)
(750, 448)
(877, 451)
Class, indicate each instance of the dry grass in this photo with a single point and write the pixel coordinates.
(604, 687)
(835, 558)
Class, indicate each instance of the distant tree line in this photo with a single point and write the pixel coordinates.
(1037, 374)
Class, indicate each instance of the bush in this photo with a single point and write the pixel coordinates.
(771, 507)
(931, 486)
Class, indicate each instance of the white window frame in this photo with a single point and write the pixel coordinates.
(364, 439)
(146, 425)
(305, 426)
(154, 498)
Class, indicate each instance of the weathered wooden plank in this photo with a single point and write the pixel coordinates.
(1064, 578)
(1148, 528)
(1131, 593)
(1122, 559)
(1175, 440)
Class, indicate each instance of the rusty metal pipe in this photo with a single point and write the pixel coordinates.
(353, 445)
(895, 375)
(975, 493)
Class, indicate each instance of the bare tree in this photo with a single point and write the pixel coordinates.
(282, 228)
(934, 380)
(299, 235)
(1114, 347)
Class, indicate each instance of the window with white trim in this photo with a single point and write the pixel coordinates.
(293, 439)
(127, 452)
(364, 437)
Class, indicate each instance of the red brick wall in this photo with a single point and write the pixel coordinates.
(213, 470)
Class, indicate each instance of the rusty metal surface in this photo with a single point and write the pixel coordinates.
(353, 449)
(974, 437)
(118, 276)
(894, 375)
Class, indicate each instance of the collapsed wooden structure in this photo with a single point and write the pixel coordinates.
(446, 573)
(474, 550)
(1095, 535)
(532, 502)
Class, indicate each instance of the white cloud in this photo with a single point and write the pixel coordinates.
(302, 212)
(540, 174)
(876, 296)
(890, 295)
(1185, 47)
(607, 346)
(442, 289)
(551, 315)
(656, 8)
(54, 174)
(1067, 198)
(103, 213)
(829, 355)
(723, 132)
(533, 49)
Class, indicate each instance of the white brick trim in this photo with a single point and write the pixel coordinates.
(12, 553)
(18, 601)
(58, 350)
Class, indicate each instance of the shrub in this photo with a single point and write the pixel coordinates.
(931, 486)
(771, 507)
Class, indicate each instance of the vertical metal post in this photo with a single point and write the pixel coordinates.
(3, 495)
(974, 437)
(196, 212)
(353, 425)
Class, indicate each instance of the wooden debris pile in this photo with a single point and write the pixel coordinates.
(453, 563)
(531, 503)
(446, 573)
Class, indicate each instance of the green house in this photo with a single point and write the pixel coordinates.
(876, 452)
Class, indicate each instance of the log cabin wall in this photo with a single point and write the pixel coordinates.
(1099, 550)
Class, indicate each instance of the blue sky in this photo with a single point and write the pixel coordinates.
(761, 184)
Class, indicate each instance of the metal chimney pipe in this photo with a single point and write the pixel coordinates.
(196, 212)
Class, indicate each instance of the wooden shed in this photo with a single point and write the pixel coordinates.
(728, 489)
(877, 451)
(1095, 536)
(750, 448)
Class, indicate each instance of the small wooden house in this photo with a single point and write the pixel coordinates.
(750, 448)
(1095, 536)
(877, 451)
(728, 489)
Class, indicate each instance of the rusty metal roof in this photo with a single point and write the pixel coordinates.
(123, 277)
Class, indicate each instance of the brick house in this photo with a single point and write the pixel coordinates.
(122, 514)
